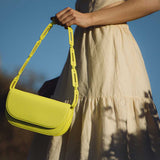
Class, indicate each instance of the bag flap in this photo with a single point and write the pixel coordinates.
(35, 109)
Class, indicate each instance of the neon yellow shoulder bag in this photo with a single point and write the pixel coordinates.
(37, 113)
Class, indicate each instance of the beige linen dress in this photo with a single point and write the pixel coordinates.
(115, 118)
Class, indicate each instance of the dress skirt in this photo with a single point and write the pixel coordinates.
(115, 118)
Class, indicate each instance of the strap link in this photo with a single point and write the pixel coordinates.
(74, 78)
(71, 38)
(75, 100)
(72, 61)
(47, 29)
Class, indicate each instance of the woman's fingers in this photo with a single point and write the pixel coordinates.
(69, 16)
(71, 22)
(63, 14)
(66, 16)
(67, 20)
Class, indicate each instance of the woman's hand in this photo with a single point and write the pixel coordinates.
(69, 16)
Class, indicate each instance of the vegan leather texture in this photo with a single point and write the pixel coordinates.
(36, 113)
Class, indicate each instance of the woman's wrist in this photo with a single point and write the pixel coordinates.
(89, 20)
(93, 19)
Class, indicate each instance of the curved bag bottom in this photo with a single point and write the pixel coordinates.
(38, 129)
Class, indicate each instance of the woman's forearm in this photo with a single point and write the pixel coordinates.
(127, 11)
(124, 12)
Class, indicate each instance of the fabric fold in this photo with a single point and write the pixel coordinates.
(110, 127)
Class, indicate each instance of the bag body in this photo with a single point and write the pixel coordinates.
(36, 113)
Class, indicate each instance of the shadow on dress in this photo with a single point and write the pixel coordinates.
(144, 145)
(124, 146)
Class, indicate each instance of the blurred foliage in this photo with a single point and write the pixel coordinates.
(14, 142)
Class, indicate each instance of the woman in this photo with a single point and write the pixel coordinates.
(115, 118)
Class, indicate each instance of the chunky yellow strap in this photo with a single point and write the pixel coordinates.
(72, 61)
